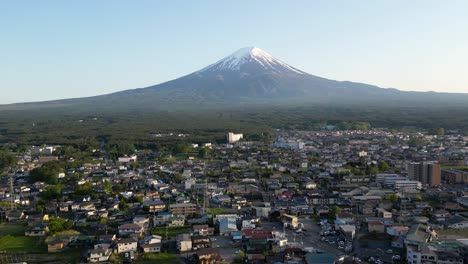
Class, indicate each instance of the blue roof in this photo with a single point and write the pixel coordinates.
(323, 258)
(164, 213)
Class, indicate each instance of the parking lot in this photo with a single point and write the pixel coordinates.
(226, 250)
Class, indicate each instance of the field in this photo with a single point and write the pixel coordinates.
(216, 211)
(171, 231)
(465, 168)
(13, 230)
(165, 258)
(10, 243)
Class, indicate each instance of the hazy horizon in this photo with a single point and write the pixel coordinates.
(56, 50)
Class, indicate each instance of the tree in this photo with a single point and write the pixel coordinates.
(203, 153)
(178, 178)
(47, 173)
(393, 197)
(416, 142)
(51, 193)
(107, 187)
(334, 211)
(440, 131)
(120, 149)
(373, 170)
(181, 148)
(6, 160)
(418, 197)
(57, 224)
(123, 205)
(383, 166)
(84, 189)
(437, 131)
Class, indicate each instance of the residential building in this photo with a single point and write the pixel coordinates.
(100, 253)
(428, 173)
(127, 245)
(151, 244)
(132, 229)
(454, 176)
(184, 242)
(233, 138)
(208, 256)
(185, 209)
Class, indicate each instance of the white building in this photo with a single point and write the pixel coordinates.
(184, 242)
(127, 245)
(388, 179)
(408, 185)
(233, 138)
(132, 158)
(151, 244)
(100, 253)
(289, 144)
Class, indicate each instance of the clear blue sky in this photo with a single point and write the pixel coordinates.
(62, 49)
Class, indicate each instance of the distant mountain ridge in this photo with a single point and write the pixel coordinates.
(249, 76)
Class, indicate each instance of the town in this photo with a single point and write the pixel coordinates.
(315, 197)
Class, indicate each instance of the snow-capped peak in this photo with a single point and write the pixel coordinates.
(248, 55)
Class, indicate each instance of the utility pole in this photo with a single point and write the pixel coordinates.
(12, 194)
(204, 194)
(167, 241)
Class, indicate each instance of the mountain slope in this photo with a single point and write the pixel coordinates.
(249, 76)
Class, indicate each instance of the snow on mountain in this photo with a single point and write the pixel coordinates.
(248, 57)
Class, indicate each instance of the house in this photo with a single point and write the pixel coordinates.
(200, 241)
(208, 256)
(310, 185)
(154, 205)
(290, 221)
(107, 239)
(184, 242)
(15, 216)
(203, 230)
(248, 223)
(344, 218)
(161, 218)
(127, 245)
(132, 230)
(227, 225)
(441, 215)
(398, 242)
(348, 230)
(176, 221)
(100, 252)
(397, 230)
(56, 245)
(445, 257)
(457, 222)
(376, 226)
(383, 213)
(39, 229)
(151, 244)
(222, 199)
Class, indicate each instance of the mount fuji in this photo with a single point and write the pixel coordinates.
(249, 76)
